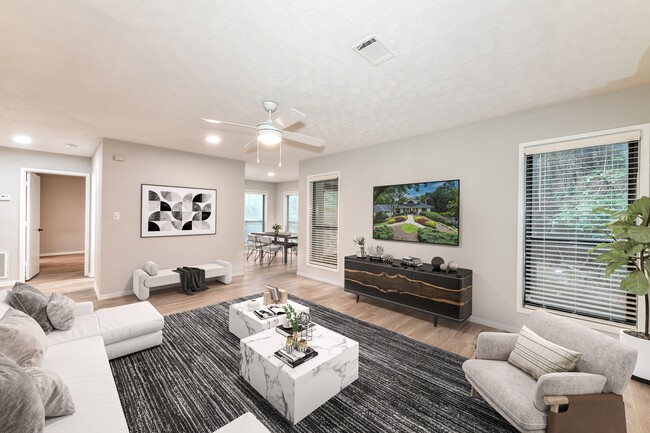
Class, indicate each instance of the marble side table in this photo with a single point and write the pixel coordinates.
(243, 322)
(297, 392)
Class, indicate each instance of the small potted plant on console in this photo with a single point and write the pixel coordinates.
(361, 241)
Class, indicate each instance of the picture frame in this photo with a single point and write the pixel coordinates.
(177, 211)
(423, 212)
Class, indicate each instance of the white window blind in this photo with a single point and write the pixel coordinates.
(254, 212)
(562, 188)
(323, 219)
(291, 212)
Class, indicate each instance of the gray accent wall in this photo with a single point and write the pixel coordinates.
(122, 248)
(484, 156)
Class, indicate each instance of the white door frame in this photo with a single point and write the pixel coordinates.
(22, 249)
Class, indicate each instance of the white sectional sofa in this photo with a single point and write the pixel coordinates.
(80, 356)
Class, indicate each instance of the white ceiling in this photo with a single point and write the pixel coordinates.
(147, 71)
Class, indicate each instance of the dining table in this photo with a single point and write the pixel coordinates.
(280, 238)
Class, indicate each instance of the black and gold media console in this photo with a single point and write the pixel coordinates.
(443, 294)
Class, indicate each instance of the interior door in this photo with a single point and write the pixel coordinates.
(33, 226)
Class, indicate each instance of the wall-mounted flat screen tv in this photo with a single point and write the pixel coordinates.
(426, 212)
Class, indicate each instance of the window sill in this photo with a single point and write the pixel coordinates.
(325, 268)
(591, 323)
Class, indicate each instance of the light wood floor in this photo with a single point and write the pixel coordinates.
(64, 274)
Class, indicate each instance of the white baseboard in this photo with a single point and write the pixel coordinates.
(493, 324)
(238, 274)
(114, 295)
(8, 283)
(62, 253)
(321, 279)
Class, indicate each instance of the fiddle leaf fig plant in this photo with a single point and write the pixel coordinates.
(630, 232)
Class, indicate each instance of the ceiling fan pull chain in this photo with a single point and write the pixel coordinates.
(258, 150)
(280, 163)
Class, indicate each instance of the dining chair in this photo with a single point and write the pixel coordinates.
(252, 247)
(267, 247)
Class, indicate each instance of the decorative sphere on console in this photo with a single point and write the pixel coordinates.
(436, 262)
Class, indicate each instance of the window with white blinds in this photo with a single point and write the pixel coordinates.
(563, 183)
(323, 220)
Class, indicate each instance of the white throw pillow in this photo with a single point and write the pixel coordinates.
(536, 356)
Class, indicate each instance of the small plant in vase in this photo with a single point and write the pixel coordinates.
(361, 241)
(276, 227)
(292, 320)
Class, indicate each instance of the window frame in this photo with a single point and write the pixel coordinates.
(286, 208)
(565, 143)
(310, 180)
(265, 206)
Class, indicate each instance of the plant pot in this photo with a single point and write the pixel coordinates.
(362, 251)
(642, 369)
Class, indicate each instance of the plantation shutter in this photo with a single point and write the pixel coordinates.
(564, 182)
(323, 221)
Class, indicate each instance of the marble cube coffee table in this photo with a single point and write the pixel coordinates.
(297, 392)
(243, 322)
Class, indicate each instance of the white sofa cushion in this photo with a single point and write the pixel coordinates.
(83, 366)
(128, 321)
(83, 327)
(4, 301)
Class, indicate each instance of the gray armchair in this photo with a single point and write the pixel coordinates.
(605, 367)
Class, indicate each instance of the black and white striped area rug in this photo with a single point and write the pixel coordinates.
(191, 383)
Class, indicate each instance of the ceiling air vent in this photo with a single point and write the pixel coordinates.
(373, 50)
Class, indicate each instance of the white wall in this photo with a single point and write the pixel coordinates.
(63, 214)
(11, 162)
(484, 157)
(122, 248)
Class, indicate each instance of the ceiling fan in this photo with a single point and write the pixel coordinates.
(271, 132)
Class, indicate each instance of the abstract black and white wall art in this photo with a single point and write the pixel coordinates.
(178, 211)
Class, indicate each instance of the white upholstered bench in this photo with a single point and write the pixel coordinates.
(150, 277)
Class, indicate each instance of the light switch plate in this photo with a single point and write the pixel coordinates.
(116, 216)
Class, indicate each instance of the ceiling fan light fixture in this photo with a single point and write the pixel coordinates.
(269, 137)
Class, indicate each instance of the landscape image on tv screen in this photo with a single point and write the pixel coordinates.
(417, 212)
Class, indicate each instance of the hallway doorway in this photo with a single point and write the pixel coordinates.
(55, 244)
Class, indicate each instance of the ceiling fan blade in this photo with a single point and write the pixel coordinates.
(302, 138)
(288, 118)
(248, 145)
(227, 123)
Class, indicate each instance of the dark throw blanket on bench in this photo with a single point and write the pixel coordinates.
(192, 279)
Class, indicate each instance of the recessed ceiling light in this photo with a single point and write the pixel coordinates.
(21, 139)
(270, 173)
(212, 139)
(72, 145)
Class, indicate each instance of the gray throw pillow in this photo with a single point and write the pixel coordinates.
(32, 302)
(54, 393)
(60, 312)
(22, 409)
(21, 339)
